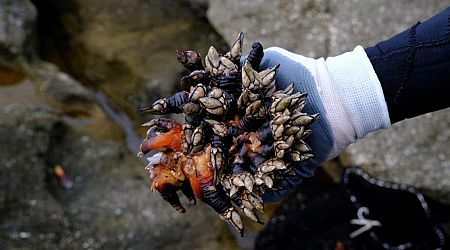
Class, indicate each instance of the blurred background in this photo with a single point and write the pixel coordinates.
(74, 73)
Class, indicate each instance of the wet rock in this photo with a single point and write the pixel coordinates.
(50, 119)
(60, 86)
(17, 20)
(28, 211)
(127, 49)
(109, 205)
(44, 85)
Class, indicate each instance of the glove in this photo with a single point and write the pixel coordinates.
(344, 90)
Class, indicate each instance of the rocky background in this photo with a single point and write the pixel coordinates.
(74, 73)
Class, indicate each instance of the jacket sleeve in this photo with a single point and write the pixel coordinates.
(414, 68)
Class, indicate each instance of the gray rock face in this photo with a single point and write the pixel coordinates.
(110, 205)
(60, 86)
(17, 20)
(415, 151)
(296, 25)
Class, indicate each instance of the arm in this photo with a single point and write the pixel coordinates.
(366, 89)
(414, 68)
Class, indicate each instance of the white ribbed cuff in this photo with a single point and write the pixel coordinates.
(350, 92)
(356, 84)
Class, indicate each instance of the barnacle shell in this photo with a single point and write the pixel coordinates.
(240, 138)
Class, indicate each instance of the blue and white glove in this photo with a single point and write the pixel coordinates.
(344, 90)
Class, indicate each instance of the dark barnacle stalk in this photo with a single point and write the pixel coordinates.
(171, 104)
(240, 137)
(256, 55)
(191, 60)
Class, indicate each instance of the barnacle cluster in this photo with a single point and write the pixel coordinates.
(240, 138)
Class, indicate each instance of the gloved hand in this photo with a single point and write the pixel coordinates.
(344, 90)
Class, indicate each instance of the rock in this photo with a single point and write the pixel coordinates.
(109, 206)
(76, 102)
(60, 86)
(48, 119)
(126, 49)
(28, 211)
(300, 26)
(17, 20)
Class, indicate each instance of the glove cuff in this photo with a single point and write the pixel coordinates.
(357, 104)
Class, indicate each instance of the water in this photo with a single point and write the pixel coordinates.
(132, 139)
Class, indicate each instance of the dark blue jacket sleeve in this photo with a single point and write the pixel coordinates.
(414, 68)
